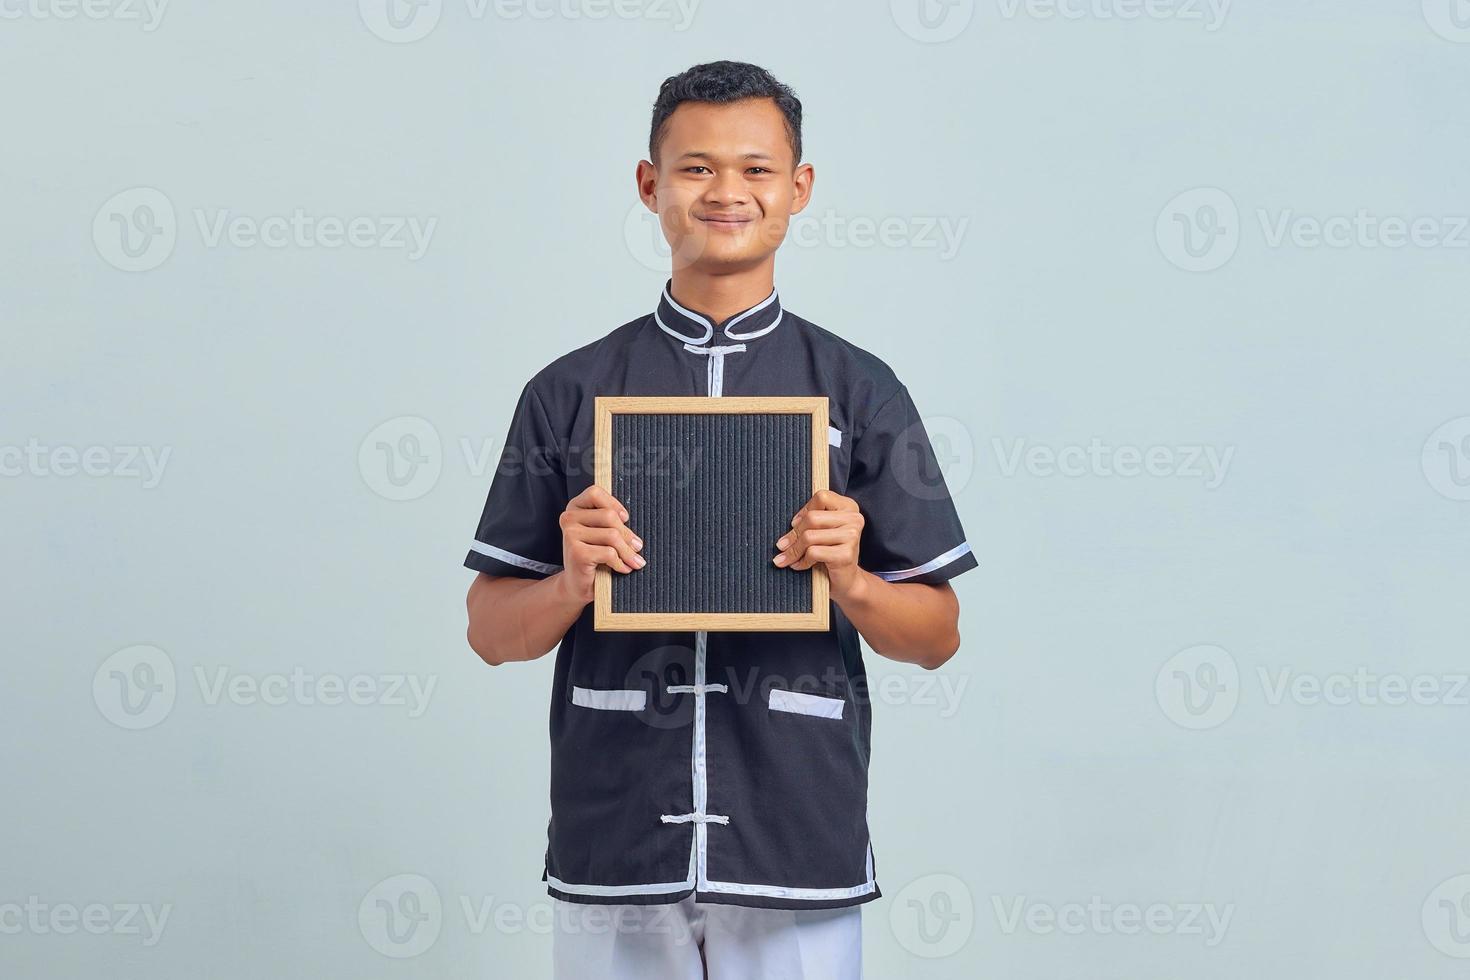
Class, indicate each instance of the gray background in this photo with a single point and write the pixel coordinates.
(1114, 731)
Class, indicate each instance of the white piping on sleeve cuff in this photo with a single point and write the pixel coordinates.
(510, 558)
(958, 551)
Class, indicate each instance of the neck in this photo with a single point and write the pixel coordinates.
(721, 295)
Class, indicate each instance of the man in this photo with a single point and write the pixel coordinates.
(712, 787)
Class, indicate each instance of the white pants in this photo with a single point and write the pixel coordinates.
(705, 941)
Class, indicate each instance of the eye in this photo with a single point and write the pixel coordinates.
(690, 170)
(760, 170)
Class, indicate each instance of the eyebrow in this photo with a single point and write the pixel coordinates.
(706, 155)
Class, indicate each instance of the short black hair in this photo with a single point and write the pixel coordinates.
(722, 82)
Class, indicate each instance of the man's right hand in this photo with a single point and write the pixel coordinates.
(594, 532)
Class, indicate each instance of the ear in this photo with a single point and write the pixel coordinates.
(646, 178)
(804, 177)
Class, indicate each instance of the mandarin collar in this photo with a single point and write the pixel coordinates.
(694, 328)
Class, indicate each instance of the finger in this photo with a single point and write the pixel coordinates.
(791, 546)
(827, 554)
(612, 537)
(825, 518)
(600, 517)
(820, 520)
(798, 543)
(594, 497)
(827, 536)
(593, 555)
(830, 500)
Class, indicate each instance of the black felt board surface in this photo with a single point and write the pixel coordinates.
(709, 494)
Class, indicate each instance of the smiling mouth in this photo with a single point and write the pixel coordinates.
(726, 221)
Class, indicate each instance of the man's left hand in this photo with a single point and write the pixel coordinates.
(827, 529)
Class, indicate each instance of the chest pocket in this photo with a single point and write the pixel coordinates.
(609, 700)
(798, 703)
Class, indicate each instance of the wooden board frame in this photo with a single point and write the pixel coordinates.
(604, 618)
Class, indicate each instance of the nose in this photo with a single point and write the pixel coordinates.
(727, 190)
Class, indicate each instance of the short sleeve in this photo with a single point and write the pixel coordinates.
(911, 531)
(519, 534)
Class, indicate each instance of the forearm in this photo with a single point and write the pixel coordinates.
(905, 621)
(515, 619)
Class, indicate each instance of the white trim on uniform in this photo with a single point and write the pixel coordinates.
(726, 887)
(609, 700)
(699, 689)
(616, 890)
(802, 894)
(510, 558)
(709, 328)
(693, 818)
(779, 891)
(698, 765)
(799, 703)
(714, 375)
(750, 312)
(958, 551)
(834, 436)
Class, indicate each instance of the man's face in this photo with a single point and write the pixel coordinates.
(725, 185)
